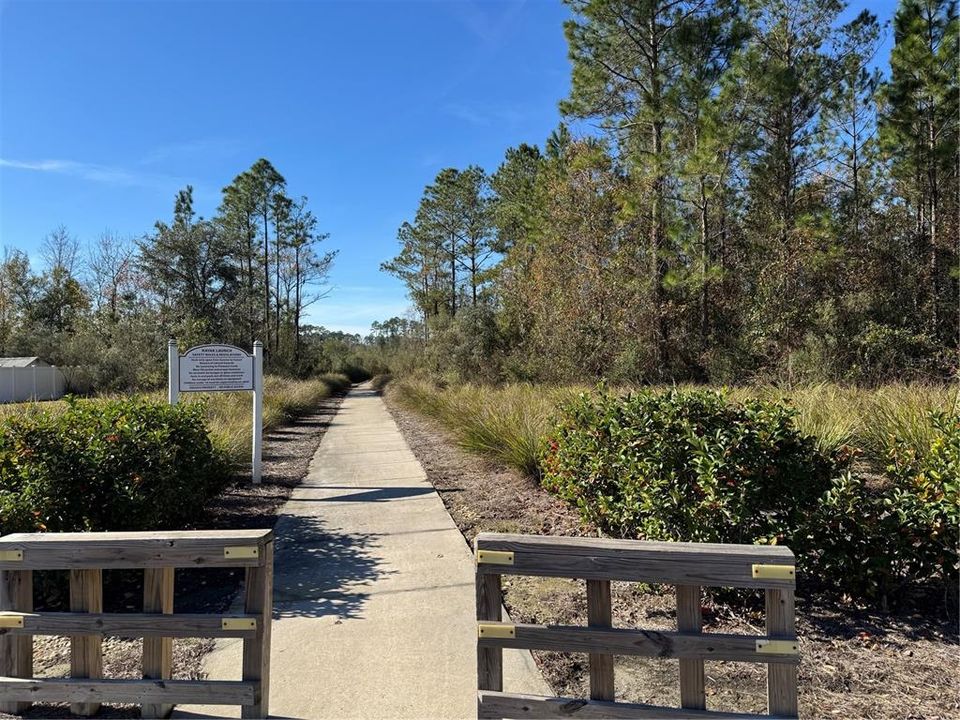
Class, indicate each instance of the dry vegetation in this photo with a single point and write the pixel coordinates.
(857, 662)
(229, 413)
(507, 423)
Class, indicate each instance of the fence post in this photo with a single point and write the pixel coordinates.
(600, 615)
(16, 651)
(489, 608)
(690, 620)
(258, 600)
(157, 651)
(86, 653)
(781, 677)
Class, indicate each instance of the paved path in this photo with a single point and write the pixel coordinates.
(374, 589)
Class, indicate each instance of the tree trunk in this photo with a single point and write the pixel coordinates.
(704, 261)
(266, 279)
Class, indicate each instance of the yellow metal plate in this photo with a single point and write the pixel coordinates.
(494, 557)
(238, 623)
(496, 631)
(241, 552)
(778, 647)
(11, 555)
(774, 572)
(11, 620)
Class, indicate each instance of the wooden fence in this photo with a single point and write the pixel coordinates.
(86, 555)
(688, 566)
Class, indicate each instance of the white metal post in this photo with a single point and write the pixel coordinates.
(257, 410)
(173, 373)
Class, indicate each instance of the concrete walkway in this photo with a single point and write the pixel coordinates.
(374, 589)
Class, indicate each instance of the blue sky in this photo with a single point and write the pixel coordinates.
(108, 108)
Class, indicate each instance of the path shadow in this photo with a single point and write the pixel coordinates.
(320, 571)
(372, 495)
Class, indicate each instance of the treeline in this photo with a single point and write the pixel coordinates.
(759, 202)
(106, 310)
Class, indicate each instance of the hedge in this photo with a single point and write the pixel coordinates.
(695, 466)
(130, 464)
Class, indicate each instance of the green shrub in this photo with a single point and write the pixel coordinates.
(686, 465)
(107, 465)
(879, 540)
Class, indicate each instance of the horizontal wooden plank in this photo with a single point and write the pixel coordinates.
(127, 625)
(636, 560)
(610, 547)
(207, 692)
(201, 548)
(505, 705)
(645, 643)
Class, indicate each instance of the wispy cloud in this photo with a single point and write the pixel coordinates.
(94, 172)
(487, 21)
(483, 117)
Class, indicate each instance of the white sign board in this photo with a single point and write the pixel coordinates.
(215, 368)
(220, 368)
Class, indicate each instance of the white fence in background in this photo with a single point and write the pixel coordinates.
(31, 383)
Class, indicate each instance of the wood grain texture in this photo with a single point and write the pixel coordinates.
(655, 567)
(94, 692)
(504, 705)
(644, 643)
(600, 615)
(631, 549)
(53, 551)
(489, 608)
(690, 620)
(86, 656)
(157, 650)
(781, 677)
(258, 600)
(16, 651)
(128, 625)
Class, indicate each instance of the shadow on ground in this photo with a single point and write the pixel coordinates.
(321, 571)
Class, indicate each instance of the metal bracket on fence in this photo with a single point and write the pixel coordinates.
(774, 572)
(778, 647)
(238, 552)
(496, 631)
(238, 623)
(494, 557)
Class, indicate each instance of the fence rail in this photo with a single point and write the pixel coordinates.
(688, 566)
(86, 555)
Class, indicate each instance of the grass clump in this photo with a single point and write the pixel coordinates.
(506, 423)
(229, 415)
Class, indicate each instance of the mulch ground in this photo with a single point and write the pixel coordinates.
(856, 662)
(286, 456)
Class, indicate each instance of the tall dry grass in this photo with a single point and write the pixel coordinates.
(229, 415)
(509, 422)
(505, 423)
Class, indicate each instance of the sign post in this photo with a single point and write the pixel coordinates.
(220, 368)
(257, 410)
(173, 376)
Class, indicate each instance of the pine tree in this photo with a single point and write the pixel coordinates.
(919, 130)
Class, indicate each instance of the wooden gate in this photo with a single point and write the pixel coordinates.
(688, 566)
(86, 555)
